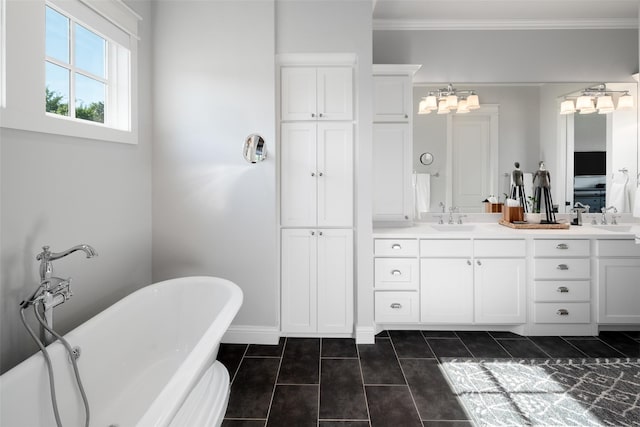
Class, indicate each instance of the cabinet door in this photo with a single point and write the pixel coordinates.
(299, 280)
(500, 291)
(619, 291)
(335, 174)
(392, 188)
(335, 93)
(392, 98)
(335, 281)
(298, 175)
(446, 290)
(298, 93)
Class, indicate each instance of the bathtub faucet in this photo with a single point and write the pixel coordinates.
(46, 256)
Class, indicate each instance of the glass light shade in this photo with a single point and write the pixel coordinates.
(604, 103)
(625, 102)
(442, 107)
(452, 102)
(432, 102)
(588, 110)
(584, 102)
(422, 107)
(473, 103)
(463, 108)
(567, 107)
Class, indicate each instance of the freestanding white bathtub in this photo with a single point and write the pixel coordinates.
(148, 360)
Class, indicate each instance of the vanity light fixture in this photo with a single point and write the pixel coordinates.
(449, 99)
(597, 98)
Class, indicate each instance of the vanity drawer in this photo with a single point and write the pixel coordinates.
(449, 248)
(499, 248)
(396, 273)
(563, 248)
(562, 312)
(617, 248)
(396, 307)
(396, 247)
(556, 290)
(562, 268)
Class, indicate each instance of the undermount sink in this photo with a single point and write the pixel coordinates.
(453, 227)
(618, 228)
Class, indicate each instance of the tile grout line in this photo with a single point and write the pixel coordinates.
(465, 345)
(540, 348)
(569, 342)
(275, 383)
(364, 389)
(405, 377)
(609, 345)
(238, 368)
(319, 382)
(501, 346)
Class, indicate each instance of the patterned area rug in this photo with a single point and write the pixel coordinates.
(548, 392)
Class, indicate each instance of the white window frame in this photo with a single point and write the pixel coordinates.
(22, 100)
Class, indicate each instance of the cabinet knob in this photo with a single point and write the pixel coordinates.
(313, 233)
(563, 289)
(396, 305)
(313, 174)
(478, 262)
(313, 114)
(396, 246)
(406, 217)
(468, 262)
(562, 312)
(406, 116)
(319, 173)
(320, 114)
(396, 272)
(562, 246)
(320, 233)
(562, 267)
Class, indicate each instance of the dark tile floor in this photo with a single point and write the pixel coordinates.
(331, 382)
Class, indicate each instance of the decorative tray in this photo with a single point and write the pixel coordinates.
(532, 226)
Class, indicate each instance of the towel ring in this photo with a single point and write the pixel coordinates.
(426, 158)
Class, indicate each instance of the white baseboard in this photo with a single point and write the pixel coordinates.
(365, 335)
(243, 334)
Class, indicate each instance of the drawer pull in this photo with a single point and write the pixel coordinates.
(563, 290)
(562, 246)
(563, 267)
(468, 262)
(396, 272)
(396, 305)
(562, 312)
(396, 246)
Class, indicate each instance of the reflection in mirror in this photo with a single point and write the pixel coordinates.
(255, 149)
(475, 162)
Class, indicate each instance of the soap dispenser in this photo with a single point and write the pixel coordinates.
(579, 209)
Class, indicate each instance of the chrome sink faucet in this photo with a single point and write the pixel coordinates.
(604, 211)
(452, 210)
(579, 209)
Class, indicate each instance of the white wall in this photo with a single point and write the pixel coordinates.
(214, 213)
(62, 191)
(331, 26)
(512, 56)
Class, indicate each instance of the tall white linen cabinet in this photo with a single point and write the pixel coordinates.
(316, 135)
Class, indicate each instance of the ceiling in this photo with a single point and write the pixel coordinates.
(504, 14)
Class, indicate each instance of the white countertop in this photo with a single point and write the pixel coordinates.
(485, 230)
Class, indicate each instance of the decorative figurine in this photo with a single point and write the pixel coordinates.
(543, 189)
(517, 187)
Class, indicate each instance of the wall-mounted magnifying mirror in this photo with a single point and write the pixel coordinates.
(255, 148)
(426, 158)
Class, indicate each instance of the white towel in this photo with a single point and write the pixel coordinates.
(618, 195)
(636, 203)
(422, 190)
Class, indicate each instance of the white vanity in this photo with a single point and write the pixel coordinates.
(485, 276)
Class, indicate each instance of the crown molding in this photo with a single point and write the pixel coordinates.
(504, 24)
(395, 69)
